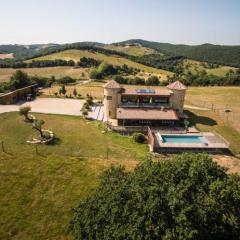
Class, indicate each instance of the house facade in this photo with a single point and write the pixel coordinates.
(144, 106)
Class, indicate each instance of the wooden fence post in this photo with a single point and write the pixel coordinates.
(2, 145)
(36, 149)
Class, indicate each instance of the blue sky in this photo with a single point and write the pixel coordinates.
(174, 21)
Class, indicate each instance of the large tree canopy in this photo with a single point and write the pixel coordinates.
(188, 197)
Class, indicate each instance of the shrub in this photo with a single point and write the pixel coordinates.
(89, 99)
(66, 80)
(86, 105)
(84, 111)
(24, 112)
(139, 137)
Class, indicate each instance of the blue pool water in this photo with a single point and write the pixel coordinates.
(182, 139)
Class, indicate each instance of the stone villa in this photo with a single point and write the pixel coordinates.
(144, 106)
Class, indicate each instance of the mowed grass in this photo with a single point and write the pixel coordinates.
(196, 66)
(115, 60)
(131, 50)
(58, 72)
(220, 98)
(38, 191)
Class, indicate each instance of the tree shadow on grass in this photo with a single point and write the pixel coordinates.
(198, 119)
(55, 141)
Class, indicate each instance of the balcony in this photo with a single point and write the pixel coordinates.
(145, 105)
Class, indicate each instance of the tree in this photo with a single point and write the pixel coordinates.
(94, 74)
(24, 112)
(75, 92)
(152, 81)
(63, 90)
(189, 197)
(37, 125)
(19, 79)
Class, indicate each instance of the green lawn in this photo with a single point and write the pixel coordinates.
(38, 191)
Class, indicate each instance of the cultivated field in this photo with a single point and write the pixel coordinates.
(196, 66)
(6, 55)
(58, 72)
(38, 191)
(115, 60)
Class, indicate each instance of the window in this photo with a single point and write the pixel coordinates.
(161, 100)
(109, 97)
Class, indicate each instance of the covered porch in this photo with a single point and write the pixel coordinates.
(146, 117)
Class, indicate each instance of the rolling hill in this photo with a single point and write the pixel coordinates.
(220, 54)
(111, 59)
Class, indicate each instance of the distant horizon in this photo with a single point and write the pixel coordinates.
(114, 42)
(186, 22)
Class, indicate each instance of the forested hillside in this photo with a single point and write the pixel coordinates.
(224, 55)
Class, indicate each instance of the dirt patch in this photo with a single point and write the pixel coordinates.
(6, 55)
(229, 162)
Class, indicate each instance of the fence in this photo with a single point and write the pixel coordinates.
(227, 113)
(128, 129)
(42, 150)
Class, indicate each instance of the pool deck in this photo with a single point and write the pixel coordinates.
(213, 143)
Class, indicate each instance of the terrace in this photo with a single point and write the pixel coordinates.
(146, 98)
(179, 142)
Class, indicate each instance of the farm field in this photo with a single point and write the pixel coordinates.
(131, 50)
(38, 191)
(58, 72)
(196, 66)
(115, 60)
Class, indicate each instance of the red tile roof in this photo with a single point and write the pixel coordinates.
(146, 114)
(177, 85)
(112, 84)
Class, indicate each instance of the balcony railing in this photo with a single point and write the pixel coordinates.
(145, 105)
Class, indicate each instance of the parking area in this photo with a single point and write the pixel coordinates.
(48, 105)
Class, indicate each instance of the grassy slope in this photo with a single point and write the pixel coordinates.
(221, 97)
(115, 60)
(40, 190)
(58, 72)
(131, 50)
(195, 66)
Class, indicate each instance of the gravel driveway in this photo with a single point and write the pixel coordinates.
(48, 105)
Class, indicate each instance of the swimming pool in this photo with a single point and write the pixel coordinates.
(182, 139)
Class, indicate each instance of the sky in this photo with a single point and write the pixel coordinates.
(66, 21)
